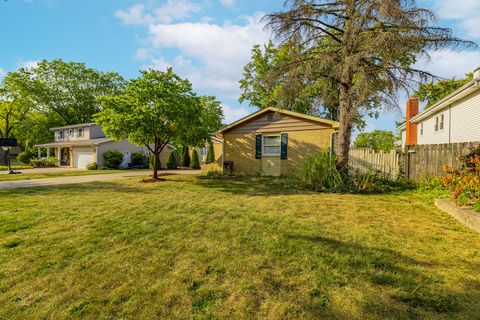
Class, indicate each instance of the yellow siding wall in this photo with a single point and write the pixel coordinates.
(240, 148)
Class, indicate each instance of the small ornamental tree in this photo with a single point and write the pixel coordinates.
(158, 108)
(172, 161)
(195, 164)
(210, 153)
(185, 157)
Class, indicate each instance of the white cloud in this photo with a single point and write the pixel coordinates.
(172, 10)
(227, 3)
(28, 64)
(464, 12)
(2, 73)
(133, 15)
(211, 55)
(449, 63)
(233, 114)
(143, 54)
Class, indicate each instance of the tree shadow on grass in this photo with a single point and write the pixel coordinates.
(278, 186)
(77, 188)
(413, 287)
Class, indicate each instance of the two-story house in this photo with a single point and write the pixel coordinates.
(454, 119)
(78, 145)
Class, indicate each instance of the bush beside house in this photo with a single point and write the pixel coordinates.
(113, 159)
(172, 161)
(195, 163)
(185, 157)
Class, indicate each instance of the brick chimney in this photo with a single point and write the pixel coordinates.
(412, 111)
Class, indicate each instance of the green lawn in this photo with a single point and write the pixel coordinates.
(191, 248)
(29, 175)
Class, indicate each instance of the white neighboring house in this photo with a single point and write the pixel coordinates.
(78, 145)
(454, 119)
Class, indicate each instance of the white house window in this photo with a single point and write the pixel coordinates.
(80, 132)
(271, 145)
(70, 133)
(60, 134)
(439, 122)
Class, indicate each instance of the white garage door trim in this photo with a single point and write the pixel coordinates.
(83, 158)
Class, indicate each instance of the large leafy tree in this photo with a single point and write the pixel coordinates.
(69, 89)
(158, 108)
(263, 85)
(371, 47)
(378, 140)
(13, 110)
(433, 92)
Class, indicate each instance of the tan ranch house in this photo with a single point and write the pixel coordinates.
(78, 145)
(273, 142)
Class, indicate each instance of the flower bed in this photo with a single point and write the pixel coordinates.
(464, 183)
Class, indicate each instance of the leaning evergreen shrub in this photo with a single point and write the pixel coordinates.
(185, 157)
(138, 159)
(172, 160)
(210, 153)
(113, 159)
(195, 164)
(25, 157)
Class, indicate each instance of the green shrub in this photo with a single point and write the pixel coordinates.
(195, 164)
(210, 153)
(92, 166)
(25, 157)
(172, 160)
(185, 157)
(318, 173)
(138, 159)
(44, 162)
(113, 159)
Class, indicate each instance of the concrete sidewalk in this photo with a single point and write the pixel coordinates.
(5, 185)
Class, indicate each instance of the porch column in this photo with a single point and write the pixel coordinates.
(48, 152)
(39, 152)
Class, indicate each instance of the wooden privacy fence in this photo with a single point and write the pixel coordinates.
(413, 163)
(428, 160)
(367, 160)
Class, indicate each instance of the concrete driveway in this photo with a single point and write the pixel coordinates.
(16, 184)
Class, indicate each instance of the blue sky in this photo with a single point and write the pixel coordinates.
(207, 41)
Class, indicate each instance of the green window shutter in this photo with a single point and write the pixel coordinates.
(284, 146)
(258, 146)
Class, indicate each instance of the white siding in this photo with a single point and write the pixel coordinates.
(123, 146)
(466, 119)
(404, 138)
(429, 135)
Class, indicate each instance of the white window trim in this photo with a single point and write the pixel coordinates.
(80, 130)
(279, 145)
(421, 128)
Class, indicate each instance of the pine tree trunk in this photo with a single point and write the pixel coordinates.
(344, 136)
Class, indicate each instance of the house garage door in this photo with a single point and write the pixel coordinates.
(83, 158)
